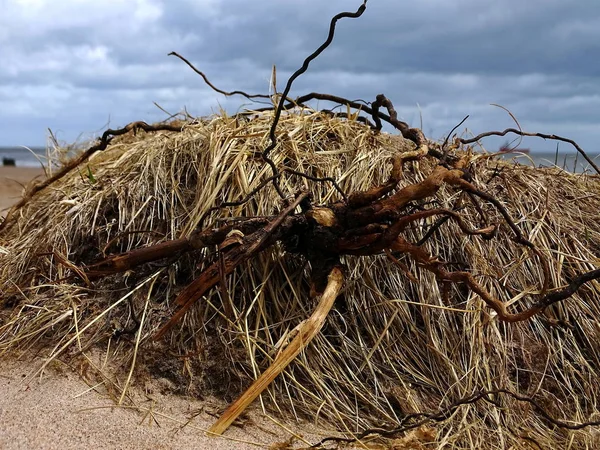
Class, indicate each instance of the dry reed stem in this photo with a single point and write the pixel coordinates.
(305, 334)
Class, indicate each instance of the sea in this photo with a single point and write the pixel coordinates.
(572, 162)
(24, 156)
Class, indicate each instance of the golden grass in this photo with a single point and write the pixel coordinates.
(389, 347)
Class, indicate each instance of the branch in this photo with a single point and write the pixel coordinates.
(352, 104)
(232, 258)
(373, 244)
(305, 334)
(213, 87)
(444, 148)
(441, 415)
(320, 180)
(102, 143)
(413, 134)
(288, 87)
(567, 291)
(541, 135)
(176, 247)
(435, 266)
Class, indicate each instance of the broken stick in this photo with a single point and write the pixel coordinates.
(308, 330)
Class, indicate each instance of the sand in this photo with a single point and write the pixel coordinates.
(12, 181)
(60, 411)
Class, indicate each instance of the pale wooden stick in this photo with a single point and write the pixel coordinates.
(307, 331)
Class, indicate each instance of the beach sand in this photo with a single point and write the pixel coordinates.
(60, 411)
(12, 182)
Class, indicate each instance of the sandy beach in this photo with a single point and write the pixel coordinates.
(12, 182)
(60, 411)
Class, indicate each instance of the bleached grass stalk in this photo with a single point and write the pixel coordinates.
(58, 352)
(305, 334)
(138, 337)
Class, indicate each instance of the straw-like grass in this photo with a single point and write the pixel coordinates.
(390, 347)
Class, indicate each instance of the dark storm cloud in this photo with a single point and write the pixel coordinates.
(511, 37)
(73, 65)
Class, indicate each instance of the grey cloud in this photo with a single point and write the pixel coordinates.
(472, 36)
(538, 58)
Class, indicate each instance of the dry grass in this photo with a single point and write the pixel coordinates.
(390, 347)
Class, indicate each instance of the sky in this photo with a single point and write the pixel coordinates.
(77, 67)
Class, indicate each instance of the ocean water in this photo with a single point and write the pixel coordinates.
(573, 162)
(24, 157)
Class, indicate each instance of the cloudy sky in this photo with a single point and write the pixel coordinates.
(77, 66)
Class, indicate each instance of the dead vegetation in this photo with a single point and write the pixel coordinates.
(469, 299)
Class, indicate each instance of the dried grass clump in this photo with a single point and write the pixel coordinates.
(390, 347)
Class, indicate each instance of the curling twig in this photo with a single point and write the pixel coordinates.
(416, 420)
(540, 135)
